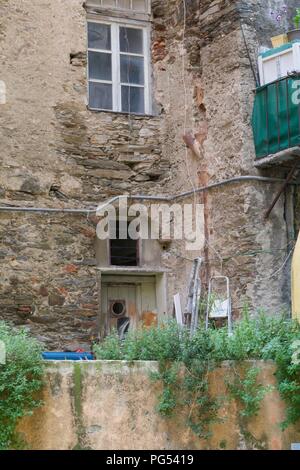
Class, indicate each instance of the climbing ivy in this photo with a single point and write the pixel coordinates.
(185, 364)
(248, 392)
(20, 380)
(183, 375)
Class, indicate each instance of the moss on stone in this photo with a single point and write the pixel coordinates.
(77, 400)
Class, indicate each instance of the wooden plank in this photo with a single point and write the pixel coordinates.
(178, 309)
(101, 320)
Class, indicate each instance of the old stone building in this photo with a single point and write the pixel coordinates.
(72, 137)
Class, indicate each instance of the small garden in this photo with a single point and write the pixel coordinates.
(185, 364)
(187, 388)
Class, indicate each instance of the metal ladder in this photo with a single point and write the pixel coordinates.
(191, 312)
(219, 307)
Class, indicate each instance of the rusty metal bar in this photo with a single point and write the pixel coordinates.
(282, 188)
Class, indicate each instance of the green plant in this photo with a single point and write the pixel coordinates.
(268, 338)
(185, 364)
(288, 377)
(248, 392)
(20, 380)
(296, 18)
(183, 375)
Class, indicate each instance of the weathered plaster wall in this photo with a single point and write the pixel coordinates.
(56, 153)
(241, 244)
(111, 405)
(273, 240)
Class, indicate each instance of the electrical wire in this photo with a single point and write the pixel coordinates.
(283, 265)
(248, 51)
(239, 254)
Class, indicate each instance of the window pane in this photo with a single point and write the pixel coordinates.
(133, 100)
(124, 4)
(131, 40)
(99, 65)
(99, 36)
(109, 3)
(100, 95)
(139, 5)
(132, 69)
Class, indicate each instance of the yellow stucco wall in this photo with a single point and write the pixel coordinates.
(111, 405)
(296, 281)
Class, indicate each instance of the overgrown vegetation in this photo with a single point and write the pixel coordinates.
(248, 392)
(20, 380)
(184, 365)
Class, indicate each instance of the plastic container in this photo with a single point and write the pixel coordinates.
(293, 35)
(279, 40)
(67, 356)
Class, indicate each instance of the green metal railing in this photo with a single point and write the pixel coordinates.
(276, 116)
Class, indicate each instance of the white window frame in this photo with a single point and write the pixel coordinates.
(114, 5)
(116, 83)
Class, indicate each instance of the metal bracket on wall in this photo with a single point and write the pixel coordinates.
(282, 188)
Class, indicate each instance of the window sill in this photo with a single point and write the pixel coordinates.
(132, 270)
(121, 113)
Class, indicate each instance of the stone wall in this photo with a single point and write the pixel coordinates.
(110, 405)
(243, 246)
(57, 153)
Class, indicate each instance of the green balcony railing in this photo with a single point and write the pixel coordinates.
(276, 116)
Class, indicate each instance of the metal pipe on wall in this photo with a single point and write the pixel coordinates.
(140, 197)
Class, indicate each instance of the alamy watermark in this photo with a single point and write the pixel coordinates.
(2, 353)
(157, 222)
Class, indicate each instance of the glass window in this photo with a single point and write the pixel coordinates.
(131, 40)
(100, 95)
(124, 4)
(100, 66)
(132, 70)
(118, 68)
(138, 5)
(99, 36)
(133, 99)
(109, 3)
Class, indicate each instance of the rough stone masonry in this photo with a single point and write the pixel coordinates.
(57, 153)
